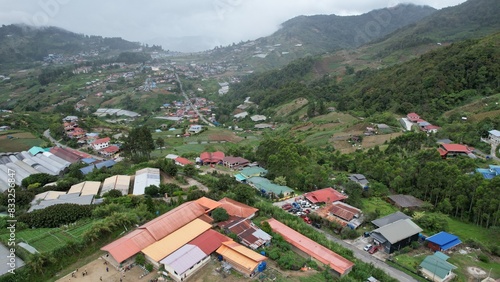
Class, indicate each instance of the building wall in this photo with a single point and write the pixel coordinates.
(101, 145)
(431, 276)
(239, 267)
(155, 264)
(403, 243)
(433, 246)
(184, 276)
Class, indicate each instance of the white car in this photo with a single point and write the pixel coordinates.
(300, 213)
(367, 247)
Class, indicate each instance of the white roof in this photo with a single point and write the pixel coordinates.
(495, 132)
(171, 156)
(144, 178)
(90, 188)
(118, 182)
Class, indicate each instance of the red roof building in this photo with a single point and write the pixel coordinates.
(129, 245)
(249, 234)
(446, 150)
(235, 208)
(344, 211)
(339, 264)
(182, 161)
(326, 195)
(65, 154)
(413, 117)
(108, 151)
(209, 241)
(212, 158)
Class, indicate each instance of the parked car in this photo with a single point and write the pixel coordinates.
(294, 210)
(307, 220)
(286, 206)
(373, 250)
(317, 225)
(308, 211)
(301, 213)
(314, 207)
(367, 247)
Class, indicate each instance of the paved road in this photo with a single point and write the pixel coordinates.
(366, 257)
(192, 106)
(493, 152)
(362, 255)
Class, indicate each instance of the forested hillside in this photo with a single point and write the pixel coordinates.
(20, 43)
(436, 82)
(471, 19)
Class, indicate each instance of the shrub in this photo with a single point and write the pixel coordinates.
(484, 258)
(149, 267)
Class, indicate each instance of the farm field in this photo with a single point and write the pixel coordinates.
(19, 141)
(48, 239)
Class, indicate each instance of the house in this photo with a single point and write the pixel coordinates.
(397, 235)
(195, 128)
(388, 219)
(109, 151)
(268, 188)
(494, 136)
(241, 115)
(211, 157)
(101, 143)
(347, 213)
(182, 161)
(436, 268)
(248, 234)
(326, 195)
(451, 150)
(310, 249)
(405, 201)
(241, 258)
(144, 178)
(234, 162)
(164, 247)
(360, 179)
(413, 117)
(235, 208)
(430, 128)
(442, 241)
(4, 127)
(208, 204)
(188, 259)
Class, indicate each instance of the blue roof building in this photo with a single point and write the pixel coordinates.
(490, 173)
(442, 241)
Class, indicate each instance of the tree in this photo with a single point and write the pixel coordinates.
(139, 144)
(280, 180)
(152, 191)
(169, 168)
(189, 170)
(220, 214)
(160, 143)
(245, 194)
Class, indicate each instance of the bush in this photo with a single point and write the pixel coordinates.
(220, 214)
(149, 267)
(57, 215)
(484, 258)
(140, 259)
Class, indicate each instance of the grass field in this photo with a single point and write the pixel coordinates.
(470, 231)
(21, 141)
(372, 204)
(49, 239)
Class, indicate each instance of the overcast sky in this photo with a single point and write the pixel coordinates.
(187, 25)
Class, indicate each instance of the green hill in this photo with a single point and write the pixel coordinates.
(21, 43)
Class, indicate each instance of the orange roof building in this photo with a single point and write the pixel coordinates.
(339, 264)
(153, 231)
(240, 257)
(208, 204)
(129, 245)
(238, 209)
(157, 251)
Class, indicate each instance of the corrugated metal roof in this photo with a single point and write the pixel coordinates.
(236, 208)
(129, 244)
(175, 240)
(208, 204)
(90, 188)
(444, 240)
(184, 258)
(173, 220)
(398, 230)
(76, 188)
(389, 219)
(436, 265)
(324, 255)
(144, 178)
(241, 255)
(326, 195)
(209, 241)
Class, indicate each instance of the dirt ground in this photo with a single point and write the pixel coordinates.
(97, 270)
